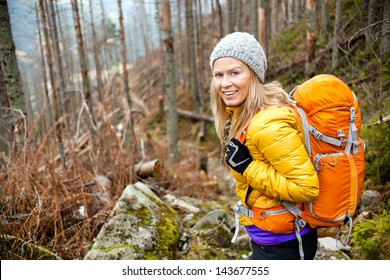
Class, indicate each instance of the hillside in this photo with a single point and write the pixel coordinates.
(60, 204)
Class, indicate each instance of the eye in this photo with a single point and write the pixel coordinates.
(234, 73)
(217, 75)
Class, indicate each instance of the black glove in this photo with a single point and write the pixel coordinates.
(238, 156)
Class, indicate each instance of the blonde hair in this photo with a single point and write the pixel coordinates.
(261, 96)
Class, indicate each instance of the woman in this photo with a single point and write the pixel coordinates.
(263, 147)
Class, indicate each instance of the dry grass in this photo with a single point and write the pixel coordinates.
(61, 203)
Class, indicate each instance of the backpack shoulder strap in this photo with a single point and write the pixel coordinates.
(304, 122)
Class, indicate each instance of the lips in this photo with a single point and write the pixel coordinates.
(230, 92)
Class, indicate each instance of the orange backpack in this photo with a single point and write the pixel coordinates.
(331, 120)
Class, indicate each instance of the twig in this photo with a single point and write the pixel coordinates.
(365, 28)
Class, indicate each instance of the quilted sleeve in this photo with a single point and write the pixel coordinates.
(285, 171)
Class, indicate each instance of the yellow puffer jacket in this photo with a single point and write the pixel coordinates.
(281, 168)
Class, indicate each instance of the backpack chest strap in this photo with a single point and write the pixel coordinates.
(330, 140)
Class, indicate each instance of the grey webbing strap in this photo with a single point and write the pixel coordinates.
(352, 141)
(305, 125)
(300, 243)
(292, 208)
(299, 222)
(345, 241)
(319, 136)
(239, 210)
(237, 229)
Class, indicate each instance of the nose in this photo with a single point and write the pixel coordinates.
(225, 81)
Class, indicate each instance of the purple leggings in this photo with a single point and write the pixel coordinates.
(288, 250)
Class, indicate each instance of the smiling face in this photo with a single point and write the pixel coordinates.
(231, 80)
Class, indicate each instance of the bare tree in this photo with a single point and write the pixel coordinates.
(386, 28)
(192, 54)
(275, 9)
(5, 135)
(106, 57)
(123, 52)
(263, 36)
(180, 43)
(325, 18)
(255, 18)
(83, 62)
(144, 27)
(43, 67)
(311, 25)
(59, 80)
(96, 56)
(170, 81)
(130, 133)
(220, 19)
(335, 49)
(231, 15)
(52, 80)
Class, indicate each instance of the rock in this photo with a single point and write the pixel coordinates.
(243, 242)
(217, 227)
(180, 204)
(142, 227)
(332, 244)
(367, 198)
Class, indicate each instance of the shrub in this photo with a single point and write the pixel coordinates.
(372, 238)
(377, 139)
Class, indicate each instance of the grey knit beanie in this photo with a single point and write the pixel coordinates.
(242, 46)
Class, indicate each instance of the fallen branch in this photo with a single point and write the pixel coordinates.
(194, 116)
(150, 168)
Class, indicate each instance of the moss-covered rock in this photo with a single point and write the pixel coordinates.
(143, 227)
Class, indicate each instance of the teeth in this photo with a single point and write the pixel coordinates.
(229, 92)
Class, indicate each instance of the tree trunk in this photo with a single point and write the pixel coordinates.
(59, 80)
(130, 132)
(106, 57)
(200, 33)
(263, 37)
(291, 11)
(239, 15)
(231, 15)
(52, 80)
(144, 27)
(275, 16)
(268, 24)
(310, 38)
(43, 67)
(192, 55)
(123, 53)
(335, 50)
(180, 45)
(325, 18)
(68, 57)
(170, 81)
(96, 56)
(385, 42)
(5, 129)
(8, 61)
(220, 19)
(83, 62)
(373, 16)
(255, 18)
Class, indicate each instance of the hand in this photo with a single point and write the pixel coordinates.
(238, 156)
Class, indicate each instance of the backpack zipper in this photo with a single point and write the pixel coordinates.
(264, 214)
